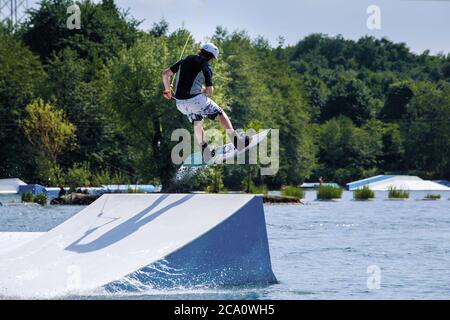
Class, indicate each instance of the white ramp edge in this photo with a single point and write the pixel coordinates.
(411, 183)
(9, 241)
(10, 185)
(122, 238)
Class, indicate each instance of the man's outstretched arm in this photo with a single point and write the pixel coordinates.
(166, 75)
(209, 91)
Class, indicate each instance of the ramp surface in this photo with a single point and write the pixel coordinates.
(117, 238)
(10, 241)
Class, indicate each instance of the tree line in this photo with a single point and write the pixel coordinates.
(345, 109)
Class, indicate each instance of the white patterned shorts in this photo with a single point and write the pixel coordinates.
(198, 108)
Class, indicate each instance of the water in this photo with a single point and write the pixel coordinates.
(322, 250)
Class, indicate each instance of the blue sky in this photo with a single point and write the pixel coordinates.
(421, 24)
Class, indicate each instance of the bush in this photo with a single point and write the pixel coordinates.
(261, 189)
(41, 199)
(395, 193)
(27, 197)
(364, 193)
(105, 177)
(102, 177)
(120, 178)
(78, 176)
(432, 197)
(48, 172)
(329, 192)
(291, 191)
(216, 183)
(134, 190)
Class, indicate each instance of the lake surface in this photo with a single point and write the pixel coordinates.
(322, 250)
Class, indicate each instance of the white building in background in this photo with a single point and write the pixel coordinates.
(386, 182)
(10, 186)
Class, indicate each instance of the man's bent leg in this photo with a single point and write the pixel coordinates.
(199, 132)
(212, 110)
(239, 142)
(207, 152)
(225, 122)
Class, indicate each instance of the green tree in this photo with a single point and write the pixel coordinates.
(398, 97)
(78, 88)
(134, 96)
(48, 131)
(266, 90)
(75, 60)
(426, 130)
(21, 78)
(351, 98)
(78, 176)
(104, 29)
(346, 151)
(393, 153)
(160, 29)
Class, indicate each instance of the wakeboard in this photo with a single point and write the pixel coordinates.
(224, 152)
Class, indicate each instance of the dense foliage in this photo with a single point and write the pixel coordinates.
(345, 109)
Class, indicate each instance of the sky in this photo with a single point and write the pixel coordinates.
(421, 24)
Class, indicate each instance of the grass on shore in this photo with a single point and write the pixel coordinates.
(432, 197)
(329, 193)
(261, 189)
(40, 198)
(291, 191)
(395, 193)
(27, 197)
(364, 193)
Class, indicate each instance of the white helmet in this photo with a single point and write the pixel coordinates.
(211, 48)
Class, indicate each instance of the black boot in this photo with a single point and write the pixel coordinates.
(241, 142)
(207, 153)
